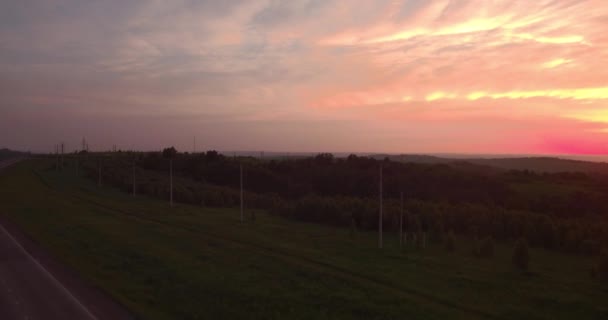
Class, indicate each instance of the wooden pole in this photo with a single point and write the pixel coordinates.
(242, 215)
(62, 156)
(134, 177)
(401, 223)
(99, 172)
(380, 215)
(423, 239)
(171, 182)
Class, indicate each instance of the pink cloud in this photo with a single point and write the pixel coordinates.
(413, 76)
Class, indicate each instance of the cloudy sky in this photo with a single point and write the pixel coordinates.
(459, 76)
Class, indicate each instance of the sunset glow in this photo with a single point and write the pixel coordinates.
(469, 76)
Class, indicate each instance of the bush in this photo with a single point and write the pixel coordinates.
(521, 257)
(485, 248)
(353, 227)
(450, 243)
(601, 270)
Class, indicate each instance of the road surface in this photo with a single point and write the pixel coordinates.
(30, 290)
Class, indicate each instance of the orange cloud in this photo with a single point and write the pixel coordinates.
(555, 63)
(500, 75)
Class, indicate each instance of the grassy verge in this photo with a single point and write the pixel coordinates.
(190, 262)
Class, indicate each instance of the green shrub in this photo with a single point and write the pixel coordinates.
(521, 257)
(601, 270)
(485, 248)
(353, 227)
(450, 243)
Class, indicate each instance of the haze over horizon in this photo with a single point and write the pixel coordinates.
(460, 76)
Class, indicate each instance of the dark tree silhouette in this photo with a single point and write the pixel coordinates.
(485, 248)
(169, 153)
(521, 257)
(602, 267)
(450, 243)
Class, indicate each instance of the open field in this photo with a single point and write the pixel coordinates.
(190, 262)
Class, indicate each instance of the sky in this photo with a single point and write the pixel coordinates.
(411, 76)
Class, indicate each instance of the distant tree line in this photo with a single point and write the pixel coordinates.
(564, 211)
(356, 176)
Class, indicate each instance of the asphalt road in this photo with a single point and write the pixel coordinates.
(29, 291)
(40, 288)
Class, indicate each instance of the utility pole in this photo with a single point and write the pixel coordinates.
(57, 157)
(194, 145)
(401, 223)
(171, 182)
(380, 216)
(242, 216)
(99, 172)
(134, 177)
(62, 156)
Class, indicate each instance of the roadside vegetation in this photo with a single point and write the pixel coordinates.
(197, 260)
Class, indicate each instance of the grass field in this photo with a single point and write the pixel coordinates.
(190, 262)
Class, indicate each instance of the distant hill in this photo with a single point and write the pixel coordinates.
(537, 164)
(7, 153)
(478, 164)
(544, 164)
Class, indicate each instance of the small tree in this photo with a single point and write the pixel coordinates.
(521, 257)
(353, 226)
(449, 243)
(485, 248)
(169, 153)
(601, 270)
(417, 231)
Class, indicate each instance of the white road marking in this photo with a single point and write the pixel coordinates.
(48, 274)
(4, 165)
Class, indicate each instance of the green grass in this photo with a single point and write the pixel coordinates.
(190, 262)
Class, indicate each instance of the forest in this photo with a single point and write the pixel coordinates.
(563, 211)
